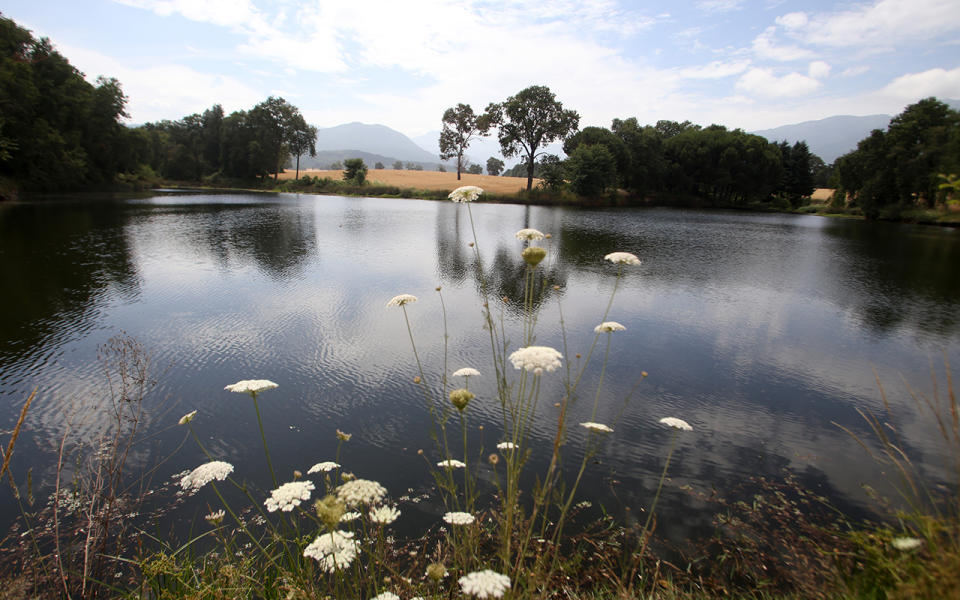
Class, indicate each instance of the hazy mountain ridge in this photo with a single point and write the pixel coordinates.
(388, 145)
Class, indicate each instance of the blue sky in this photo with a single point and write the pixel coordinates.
(752, 64)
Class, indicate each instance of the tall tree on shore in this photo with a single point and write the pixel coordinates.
(459, 129)
(303, 139)
(527, 122)
(272, 119)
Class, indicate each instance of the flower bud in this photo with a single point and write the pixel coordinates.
(436, 571)
(533, 255)
(460, 398)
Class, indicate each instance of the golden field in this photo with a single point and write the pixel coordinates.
(426, 180)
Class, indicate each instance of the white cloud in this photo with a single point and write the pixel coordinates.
(934, 82)
(764, 46)
(157, 92)
(792, 20)
(818, 69)
(762, 82)
(854, 71)
(715, 70)
(883, 23)
(719, 6)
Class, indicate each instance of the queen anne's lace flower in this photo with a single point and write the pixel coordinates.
(609, 327)
(206, 473)
(506, 446)
(384, 515)
(361, 491)
(401, 299)
(536, 358)
(598, 427)
(466, 372)
(484, 584)
(251, 386)
(334, 550)
(348, 517)
(622, 258)
(529, 234)
(459, 518)
(216, 517)
(466, 193)
(386, 596)
(451, 464)
(676, 423)
(325, 467)
(906, 543)
(289, 495)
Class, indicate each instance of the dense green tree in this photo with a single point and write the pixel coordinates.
(529, 121)
(551, 171)
(355, 171)
(303, 139)
(378, 165)
(475, 169)
(797, 181)
(275, 121)
(616, 147)
(397, 165)
(592, 169)
(460, 127)
(648, 165)
(494, 166)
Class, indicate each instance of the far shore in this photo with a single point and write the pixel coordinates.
(426, 180)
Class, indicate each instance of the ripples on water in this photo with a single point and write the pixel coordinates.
(760, 330)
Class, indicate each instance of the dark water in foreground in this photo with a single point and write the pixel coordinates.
(759, 330)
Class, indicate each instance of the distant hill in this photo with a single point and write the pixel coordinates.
(833, 137)
(388, 145)
(325, 158)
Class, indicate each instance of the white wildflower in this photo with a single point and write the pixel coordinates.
(622, 258)
(325, 467)
(529, 234)
(484, 584)
(384, 515)
(334, 550)
(466, 193)
(506, 446)
(206, 473)
(459, 518)
(348, 517)
(906, 543)
(466, 372)
(361, 491)
(289, 495)
(536, 358)
(401, 299)
(216, 517)
(251, 386)
(676, 423)
(597, 427)
(187, 418)
(386, 596)
(451, 464)
(609, 327)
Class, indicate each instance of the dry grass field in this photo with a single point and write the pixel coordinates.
(427, 180)
(821, 195)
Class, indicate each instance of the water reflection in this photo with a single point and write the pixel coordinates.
(760, 330)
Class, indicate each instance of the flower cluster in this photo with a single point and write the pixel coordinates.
(334, 550)
(466, 372)
(451, 464)
(622, 258)
(506, 446)
(288, 496)
(466, 193)
(906, 543)
(536, 358)
(251, 386)
(676, 423)
(361, 491)
(325, 466)
(529, 235)
(609, 327)
(386, 596)
(206, 473)
(401, 299)
(459, 518)
(484, 584)
(597, 427)
(384, 515)
(187, 418)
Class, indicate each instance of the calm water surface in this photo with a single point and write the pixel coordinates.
(762, 331)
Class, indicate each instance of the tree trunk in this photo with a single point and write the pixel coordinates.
(298, 167)
(459, 164)
(530, 173)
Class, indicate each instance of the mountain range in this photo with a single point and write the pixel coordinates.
(828, 138)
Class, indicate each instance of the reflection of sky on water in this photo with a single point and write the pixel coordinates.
(760, 330)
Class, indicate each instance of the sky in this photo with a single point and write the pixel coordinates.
(752, 64)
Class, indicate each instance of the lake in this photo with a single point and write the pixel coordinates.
(763, 331)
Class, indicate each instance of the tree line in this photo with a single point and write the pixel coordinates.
(665, 159)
